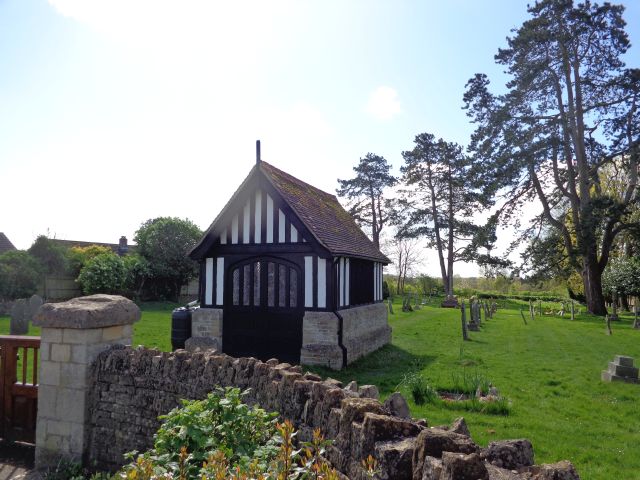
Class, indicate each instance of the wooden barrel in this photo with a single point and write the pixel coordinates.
(180, 327)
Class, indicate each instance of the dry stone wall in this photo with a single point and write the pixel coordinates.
(132, 387)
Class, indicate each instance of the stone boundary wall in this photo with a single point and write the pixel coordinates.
(132, 387)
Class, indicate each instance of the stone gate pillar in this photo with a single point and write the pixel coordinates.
(73, 334)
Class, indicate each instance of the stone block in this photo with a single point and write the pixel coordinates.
(607, 376)
(623, 360)
(45, 351)
(397, 405)
(71, 405)
(433, 441)
(320, 328)
(81, 336)
(115, 332)
(563, 470)
(323, 355)
(49, 373)
(94, 311)
(195, 344)
(47, 395)
(509, 454)
(207, 322)
(57, 427)
(51, 335)
(369, 391)
(394, 459)
(60, 352)
(458, 466)
(623, 371)
(74, 375)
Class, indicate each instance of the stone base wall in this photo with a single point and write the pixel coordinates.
(207, 322)
(320, 340)
(132, 387)
(365, 329)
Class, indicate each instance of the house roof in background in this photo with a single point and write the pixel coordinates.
(82, 244)
(5, 244)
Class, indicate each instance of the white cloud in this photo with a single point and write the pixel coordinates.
(384, 103)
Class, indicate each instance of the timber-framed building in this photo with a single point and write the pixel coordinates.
(285, 272)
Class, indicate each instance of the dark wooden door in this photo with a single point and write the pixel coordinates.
(263, 309)
(19, 357)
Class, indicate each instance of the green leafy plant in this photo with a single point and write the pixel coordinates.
(220, 422)
(220, 438)
(420, 388)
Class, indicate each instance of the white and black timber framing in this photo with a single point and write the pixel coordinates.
(281, 247)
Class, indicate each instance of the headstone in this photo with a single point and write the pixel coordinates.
(614, 307)
(19, 324)
(35, 302)
(390, 306)
(573, 315)
(463, 316)
(636, 323)
(621, 370)
(608, 322)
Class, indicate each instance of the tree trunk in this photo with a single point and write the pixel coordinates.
(592, 280)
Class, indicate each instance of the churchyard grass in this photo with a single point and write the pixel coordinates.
(549, 370)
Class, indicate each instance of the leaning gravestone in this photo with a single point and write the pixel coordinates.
(19, 324)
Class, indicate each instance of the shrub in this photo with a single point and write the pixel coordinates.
(104, 273)
(222, 438)
(50, 254)
(78, 257)
(20, 275)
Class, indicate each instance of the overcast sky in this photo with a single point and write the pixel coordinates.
(113, 112)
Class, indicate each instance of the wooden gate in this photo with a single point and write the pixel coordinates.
(263, 309)
(19, 360)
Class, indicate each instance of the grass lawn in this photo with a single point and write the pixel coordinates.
(549, 369)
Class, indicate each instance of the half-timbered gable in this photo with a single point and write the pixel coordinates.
(281, 266)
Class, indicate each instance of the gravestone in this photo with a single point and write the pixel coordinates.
(621, 370)
(19, 324)
(390, 305)
(35, 302)
(463, 317)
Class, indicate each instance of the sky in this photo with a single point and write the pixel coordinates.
(113, 112)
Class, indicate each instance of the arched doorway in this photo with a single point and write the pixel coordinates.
(263, 309)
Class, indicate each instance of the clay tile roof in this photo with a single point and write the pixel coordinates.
(5, 244)
(323, 215)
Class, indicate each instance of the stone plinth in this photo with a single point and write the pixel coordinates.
(72, 335)
(207, 322)
(621, 370)
(450, 302)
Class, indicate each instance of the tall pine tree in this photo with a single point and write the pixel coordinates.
(365, 194)
(549, 136)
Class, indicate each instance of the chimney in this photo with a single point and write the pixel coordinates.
(123, 247)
